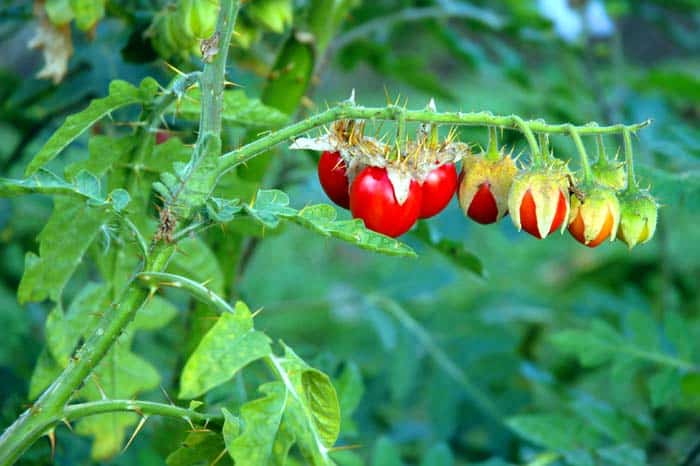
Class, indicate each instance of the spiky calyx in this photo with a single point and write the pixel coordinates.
(638, 216)
(484, 187)
(609, 173)
(595, 215)
(538, 201)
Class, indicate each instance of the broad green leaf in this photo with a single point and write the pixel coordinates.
(239, 110)
(45, 372)
(455, 251)
(322, 401)
(200, 448)
(63, 330)
(104, 152)
(300, 418)
(556, 431)
(155, 314)
(231, 344)
(386, 453)
(262, 423)
(59, 11)
(438, 455)
(120, 95)
(46, 275)
(605, 419)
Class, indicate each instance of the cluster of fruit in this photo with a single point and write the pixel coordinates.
(390, 189)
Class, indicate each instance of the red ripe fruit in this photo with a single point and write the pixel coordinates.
(332, 174)
(528, 215)
(437, 190)
(483, 208)
(372, 198)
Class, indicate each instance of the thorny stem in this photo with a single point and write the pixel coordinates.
(602, 157)
(585, 164)
(77, 411)
(629, 160)
(50, 406)
(243, 154)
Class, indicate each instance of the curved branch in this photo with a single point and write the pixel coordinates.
(80, 410)
(241, 155)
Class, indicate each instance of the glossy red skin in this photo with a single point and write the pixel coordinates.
(373, 200)
(332, 174)
(437, 190)
(528, 215)
(483, 208)
(162, 136)
(577, 228)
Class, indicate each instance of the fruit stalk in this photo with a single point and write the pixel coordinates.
(49, 408)
(629, 161)
(583, 155)
(243, 154)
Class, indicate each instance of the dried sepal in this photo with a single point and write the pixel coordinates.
(55, 44)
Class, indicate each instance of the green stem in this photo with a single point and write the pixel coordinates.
(49, 408)
(149, 408)
(243, 154)
(632, 185)
(585, 164)
(492, 152)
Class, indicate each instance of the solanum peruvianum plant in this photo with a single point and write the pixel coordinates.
(103, 210)
(391, 186)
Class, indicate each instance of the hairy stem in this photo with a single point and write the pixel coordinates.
(392, 112)
(629, 160)
(50, 406)
(585, 163)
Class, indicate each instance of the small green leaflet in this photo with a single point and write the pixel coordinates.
(559, 432)
(200, 448)
(121, 94)
(239, 110)
(271, 206)
(231, 344)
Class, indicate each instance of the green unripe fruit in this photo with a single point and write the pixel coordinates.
(639, 212)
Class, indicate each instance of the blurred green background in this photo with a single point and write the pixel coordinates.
(458, 365)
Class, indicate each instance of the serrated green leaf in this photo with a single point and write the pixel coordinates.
(272, 205)
(121, 94)
(46, 275)
(238, 109)
(556, 431)
(262, 422)
(323, 403)
(231, 344)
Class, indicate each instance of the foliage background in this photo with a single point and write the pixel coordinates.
(456, 367)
